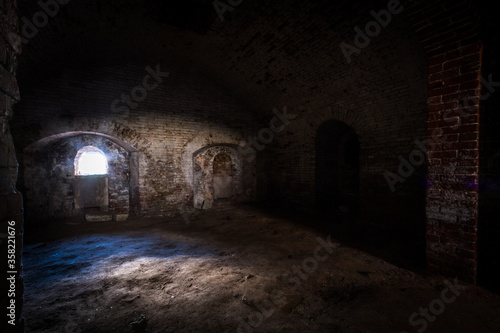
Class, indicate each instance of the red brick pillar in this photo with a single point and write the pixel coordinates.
(453, 162)
(448, 31)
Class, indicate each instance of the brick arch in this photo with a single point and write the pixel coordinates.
(51, 138)
(203, 174)
(132, 160)
(449, 33)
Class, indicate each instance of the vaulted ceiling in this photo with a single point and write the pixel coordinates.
(237, 52)
(241, 52)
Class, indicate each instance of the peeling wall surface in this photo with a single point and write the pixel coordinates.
(223, 176)
(207, 173)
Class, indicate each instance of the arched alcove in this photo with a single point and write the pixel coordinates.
(219, 173)
(337, 169)
(68, 174)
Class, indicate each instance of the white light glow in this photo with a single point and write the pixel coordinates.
(92, 162)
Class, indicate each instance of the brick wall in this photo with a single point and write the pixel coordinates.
(49, 176)
(381, 94)
(185, 113)
(412, 83)
(448, 31)
(11, 203)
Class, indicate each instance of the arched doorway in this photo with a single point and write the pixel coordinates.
(223, 176)
(337, 169)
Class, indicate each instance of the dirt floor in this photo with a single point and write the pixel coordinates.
(234, 269)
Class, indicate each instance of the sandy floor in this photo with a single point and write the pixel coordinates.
(235, 269)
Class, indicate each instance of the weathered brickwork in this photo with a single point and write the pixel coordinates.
(185, 113)
(49, 176)
(454, 94)
(242, 175)
(381, 94)
(426, 64)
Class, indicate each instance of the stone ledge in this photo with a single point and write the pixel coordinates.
(120, 217)
(98, 217)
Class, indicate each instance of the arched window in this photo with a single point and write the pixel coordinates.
(90, 161)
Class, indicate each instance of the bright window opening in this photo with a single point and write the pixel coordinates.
(90, 161)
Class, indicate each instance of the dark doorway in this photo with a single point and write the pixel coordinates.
(337, 170)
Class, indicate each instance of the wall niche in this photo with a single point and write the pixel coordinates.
(221, 174)
(54, 190)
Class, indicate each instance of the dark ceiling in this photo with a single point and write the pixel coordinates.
(190, 33)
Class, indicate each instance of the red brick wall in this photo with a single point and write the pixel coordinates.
(448, 30)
